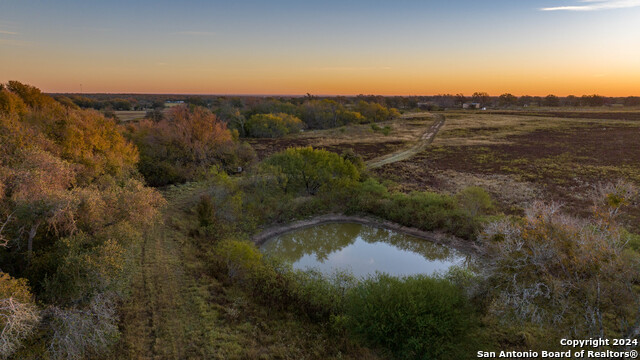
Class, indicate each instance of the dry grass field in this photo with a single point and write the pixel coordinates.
(126, 116)
(520, 158)
(365, 140)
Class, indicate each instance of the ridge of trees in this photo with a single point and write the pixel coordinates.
(71, 208)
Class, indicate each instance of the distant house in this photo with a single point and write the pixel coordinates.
(471, 106)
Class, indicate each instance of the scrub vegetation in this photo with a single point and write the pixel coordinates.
(132, 240)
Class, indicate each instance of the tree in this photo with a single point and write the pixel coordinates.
(482, 98)
(507, 100)
(32, 96)
(632, 101)
(593, 100)
(38, 193)
(572, 100)
(273, 125)
(551, 100)
(311, 169)
(182, 146)
(460, 99)
(233, 118)
(525, 100)
(375, 112)
(11, 104)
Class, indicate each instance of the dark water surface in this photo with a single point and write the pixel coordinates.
(361, 249)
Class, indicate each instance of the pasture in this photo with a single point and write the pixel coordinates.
(520, 158)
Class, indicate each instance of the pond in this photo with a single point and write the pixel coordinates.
(361, 249)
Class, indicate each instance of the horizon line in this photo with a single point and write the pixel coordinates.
(314, 95)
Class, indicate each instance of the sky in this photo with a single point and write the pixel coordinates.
(330, 47)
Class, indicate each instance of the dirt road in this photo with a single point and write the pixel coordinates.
(423, 143)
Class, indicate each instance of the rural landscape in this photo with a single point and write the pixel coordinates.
(171, 222)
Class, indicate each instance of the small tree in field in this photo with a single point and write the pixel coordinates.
(311, 169)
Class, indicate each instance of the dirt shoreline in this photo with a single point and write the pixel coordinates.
(466, 247)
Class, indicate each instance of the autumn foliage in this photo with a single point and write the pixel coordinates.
(70, 210)
(185, 144)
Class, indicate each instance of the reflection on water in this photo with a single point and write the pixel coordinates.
(361, 249)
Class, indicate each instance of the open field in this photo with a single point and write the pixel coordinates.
(130, 115)
(522, 158)
(363, 139)
(577, 113)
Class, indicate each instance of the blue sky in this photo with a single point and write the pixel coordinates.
(387, 47)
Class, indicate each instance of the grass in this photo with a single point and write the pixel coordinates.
(367, 140)
(126, 116)
(180, 309)
(520, 158)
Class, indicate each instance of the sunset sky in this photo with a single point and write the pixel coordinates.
(400, 47)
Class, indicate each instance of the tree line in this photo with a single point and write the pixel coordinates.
(72, 207)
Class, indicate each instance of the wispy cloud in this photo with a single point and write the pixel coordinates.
(5, 32)
(593, 5)
(195, 33)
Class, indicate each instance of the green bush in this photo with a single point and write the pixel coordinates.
(423, 210)
(385, 130)
(475, 200)
(273, 125)
(312, 170)
(415, 317)
(276, 284)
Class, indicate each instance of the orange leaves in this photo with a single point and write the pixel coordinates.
(182, 146)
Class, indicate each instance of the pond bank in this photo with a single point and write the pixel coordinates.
(461, 245)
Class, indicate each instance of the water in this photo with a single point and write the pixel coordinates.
(361, 249)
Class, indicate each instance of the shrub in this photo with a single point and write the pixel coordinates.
(385, 130)
(311, 170)
(423, 210)
(18, 313)
(562, 273)
(475, 200)
(415, 317)
(273, 125)
(355, 159)
(205, 210)
(276, 284)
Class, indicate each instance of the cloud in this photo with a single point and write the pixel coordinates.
(5, 32)
(195, 33)
(593, 5)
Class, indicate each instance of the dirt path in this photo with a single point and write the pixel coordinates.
(151, 321)
(425, 140)
(434, 236)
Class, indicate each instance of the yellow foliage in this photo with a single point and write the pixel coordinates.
(11, 104)
(15, 288)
